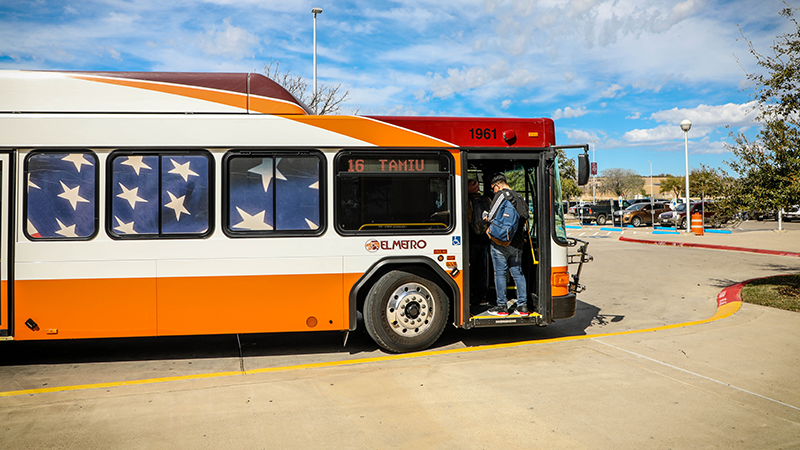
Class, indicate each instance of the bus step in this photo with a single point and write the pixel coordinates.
(485, 319)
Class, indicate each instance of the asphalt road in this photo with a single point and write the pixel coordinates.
(728, 383)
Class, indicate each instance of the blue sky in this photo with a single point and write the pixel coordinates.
(621, 74)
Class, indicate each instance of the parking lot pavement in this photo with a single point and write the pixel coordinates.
(750, 235)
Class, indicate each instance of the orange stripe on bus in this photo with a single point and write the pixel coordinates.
(94, 308)
(372, 131)
(236, 100)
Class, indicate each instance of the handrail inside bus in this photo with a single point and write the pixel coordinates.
(425, 224)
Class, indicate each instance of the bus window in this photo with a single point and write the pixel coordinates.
(271, 193)
(60, 195)
(393, 192)
(160, 194)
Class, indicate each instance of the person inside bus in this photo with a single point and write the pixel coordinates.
(508, 256)
(477, 205)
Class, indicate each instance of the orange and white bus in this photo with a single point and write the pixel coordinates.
(161, 204)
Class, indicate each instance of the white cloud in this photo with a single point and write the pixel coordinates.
(229, 41)
(568, 113)
(119, 18)
(732, 114)
(705, 119)
(635, 115)
(611, 91)
(459, 80)
(657, 134)
(705, 146)
(582, 136)
(506, 103)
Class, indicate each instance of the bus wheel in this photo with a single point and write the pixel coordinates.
(404, 312)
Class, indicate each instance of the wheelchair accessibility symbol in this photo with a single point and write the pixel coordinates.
(456, 240)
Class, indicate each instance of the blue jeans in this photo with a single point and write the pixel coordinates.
(508, 258)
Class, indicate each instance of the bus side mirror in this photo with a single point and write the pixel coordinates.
(583, 169)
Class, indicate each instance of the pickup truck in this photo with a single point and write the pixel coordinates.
(600, 212)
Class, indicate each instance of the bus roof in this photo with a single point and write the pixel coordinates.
(144, 92)
(66, 92)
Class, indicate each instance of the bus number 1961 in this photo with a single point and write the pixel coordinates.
(483, 133)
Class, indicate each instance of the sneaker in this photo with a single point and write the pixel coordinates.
(498, 311)
(522, 310)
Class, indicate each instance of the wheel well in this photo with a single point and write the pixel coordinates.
(363, 286)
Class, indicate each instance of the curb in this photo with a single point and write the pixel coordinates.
(731, 294)
(713, 247)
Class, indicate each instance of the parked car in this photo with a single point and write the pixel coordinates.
(569, 207)
(792, 213)
(710, 215)
(640, 213)
(789, 214)
(601, 211)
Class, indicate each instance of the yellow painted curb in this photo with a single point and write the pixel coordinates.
(723, 311)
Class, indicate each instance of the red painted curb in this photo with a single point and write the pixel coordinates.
(715, 247)
(731, 293)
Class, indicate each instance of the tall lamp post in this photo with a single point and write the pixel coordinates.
(652, 211)
(315, 11)
(594, 174)
(686, 125)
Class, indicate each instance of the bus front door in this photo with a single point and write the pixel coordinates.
(523, 174)
(5, 231)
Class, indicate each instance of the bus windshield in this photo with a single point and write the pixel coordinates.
(560, 228)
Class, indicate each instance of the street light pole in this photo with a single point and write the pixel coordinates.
(315, 11)
(686, 125)
(652, 211)
(593, 175)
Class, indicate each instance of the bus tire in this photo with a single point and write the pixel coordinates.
(404, 312)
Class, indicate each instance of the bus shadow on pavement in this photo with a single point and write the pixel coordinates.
(586, 316)
(359, 344)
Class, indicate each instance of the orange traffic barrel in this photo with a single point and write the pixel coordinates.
(697, 224)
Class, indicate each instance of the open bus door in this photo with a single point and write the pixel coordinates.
(526, 174)
(6, 260)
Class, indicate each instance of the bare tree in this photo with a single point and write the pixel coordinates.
(328, 99)
(622, 182)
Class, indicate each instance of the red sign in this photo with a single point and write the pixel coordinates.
(594, 168)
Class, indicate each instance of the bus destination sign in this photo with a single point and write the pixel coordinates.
(383, 165)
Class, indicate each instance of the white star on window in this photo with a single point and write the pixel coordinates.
(79, 159)
(265, 170)
(131, 195)
(254, 222)
(31, 184)
(135, 162)
(72, 195)
(66, 231)
(177, 205)
(182, 170)
(123, 227)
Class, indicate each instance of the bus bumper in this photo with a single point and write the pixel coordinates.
(564, 306)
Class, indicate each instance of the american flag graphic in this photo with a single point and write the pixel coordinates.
(61, 195)
(169, 194)
(274, 193)
(160, 194)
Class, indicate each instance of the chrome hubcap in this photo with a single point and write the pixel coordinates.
(410, 310)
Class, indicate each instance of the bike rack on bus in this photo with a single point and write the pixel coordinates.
(574, 286)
